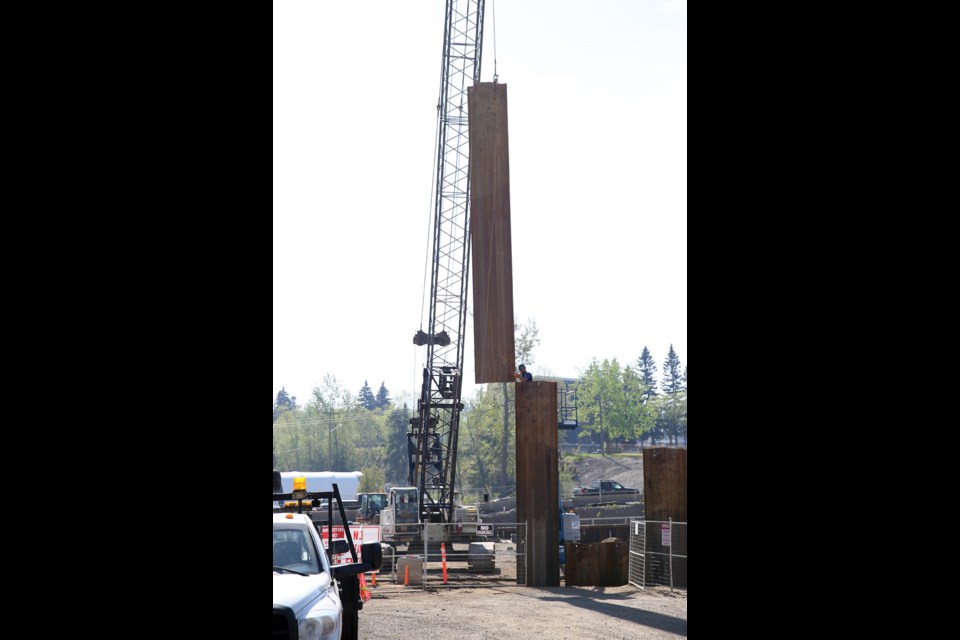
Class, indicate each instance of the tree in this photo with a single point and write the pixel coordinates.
(283, 403)
(330, 440)
(672, 378)
(334, 433)
(526, 337)
(286, 438)
(383, 397)
(480, 460)
(396, 464)
(673, 411)
(610, 403)
(365, 398)
(647, 370)
(373, 480)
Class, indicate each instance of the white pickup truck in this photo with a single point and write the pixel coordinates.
(305, 595)
(314, 599)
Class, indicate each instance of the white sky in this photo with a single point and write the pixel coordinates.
(597, 117)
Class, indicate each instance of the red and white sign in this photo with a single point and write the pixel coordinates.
(361, 534)
(665, 534)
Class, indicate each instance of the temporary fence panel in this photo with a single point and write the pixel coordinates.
(658, 554)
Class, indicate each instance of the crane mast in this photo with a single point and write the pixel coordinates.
(432, 440)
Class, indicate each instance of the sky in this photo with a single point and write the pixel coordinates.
(597, 126)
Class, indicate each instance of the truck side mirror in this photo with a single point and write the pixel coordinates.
(337, 547)
(372, 552)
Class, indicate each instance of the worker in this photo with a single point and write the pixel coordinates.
(523, 375)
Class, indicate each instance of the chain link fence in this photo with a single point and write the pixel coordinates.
(658, 554)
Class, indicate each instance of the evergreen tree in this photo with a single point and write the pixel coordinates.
(647, 370)
(283, 403)
(672, 378)
(383, 397)
(396, 464)
(365, 398)
(673, 411)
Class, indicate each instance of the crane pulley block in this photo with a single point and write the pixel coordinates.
(421, 338)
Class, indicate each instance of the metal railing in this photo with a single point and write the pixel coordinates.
(658, 554)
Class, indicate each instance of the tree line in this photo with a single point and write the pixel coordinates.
(338, 430)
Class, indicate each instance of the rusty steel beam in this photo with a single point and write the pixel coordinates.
(490, 233)
(538, 478)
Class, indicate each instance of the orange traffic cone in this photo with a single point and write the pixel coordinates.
(373, 576)
(406, 575)
(364, 589)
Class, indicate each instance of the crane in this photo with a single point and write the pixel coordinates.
(432, 439)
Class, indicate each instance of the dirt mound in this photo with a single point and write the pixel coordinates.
(627, 468)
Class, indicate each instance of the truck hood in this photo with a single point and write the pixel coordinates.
(298, 592)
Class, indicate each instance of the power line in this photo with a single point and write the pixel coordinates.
(321, 421)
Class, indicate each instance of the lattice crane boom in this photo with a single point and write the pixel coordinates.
(433, 436)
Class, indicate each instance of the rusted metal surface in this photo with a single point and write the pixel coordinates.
(490, 233)
(605, 563)
(665, 483)
(538, 499)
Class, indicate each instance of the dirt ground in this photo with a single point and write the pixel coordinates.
(627, 469)
(520, 613)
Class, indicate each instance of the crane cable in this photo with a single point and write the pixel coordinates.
(493, 9)
(431, 211)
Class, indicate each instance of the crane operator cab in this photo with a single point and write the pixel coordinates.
(400, 518)
(407, 506)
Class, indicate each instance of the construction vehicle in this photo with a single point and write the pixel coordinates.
(399, 524)
(369, 506)
(430, 497)
(313, 596)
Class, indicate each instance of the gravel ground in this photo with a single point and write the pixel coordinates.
(520, 613)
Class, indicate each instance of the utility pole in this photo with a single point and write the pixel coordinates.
(603, 442)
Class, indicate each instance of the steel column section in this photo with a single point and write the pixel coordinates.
(490, 233)
(538, 495)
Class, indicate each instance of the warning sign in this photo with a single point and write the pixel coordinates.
(665, 534)
(361, 535)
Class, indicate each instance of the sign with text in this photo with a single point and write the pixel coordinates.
(484, 529)
(361, 534)
(665, 534)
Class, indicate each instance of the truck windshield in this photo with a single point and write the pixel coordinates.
(377, 502)
(292, 549)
